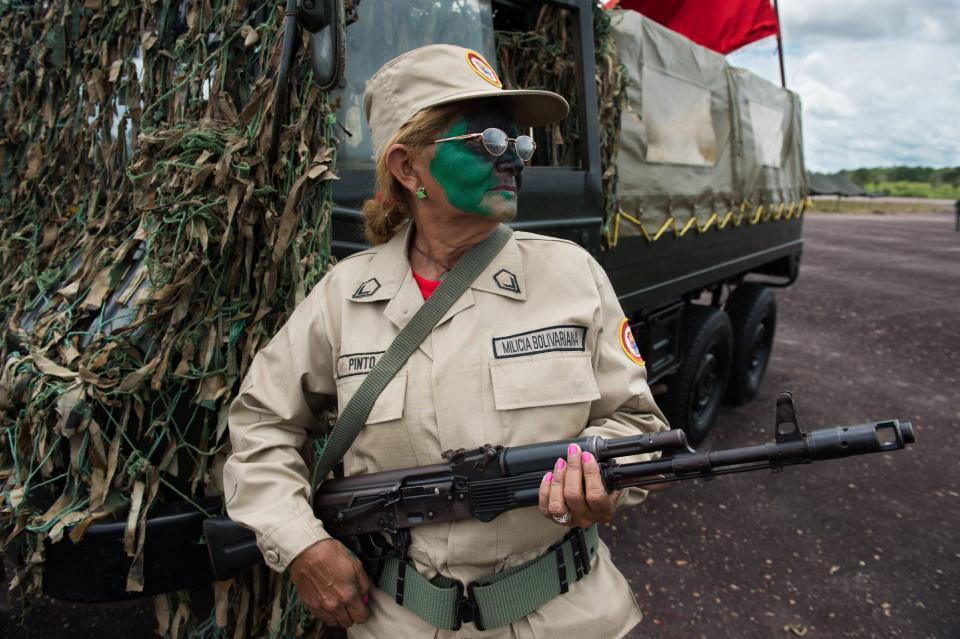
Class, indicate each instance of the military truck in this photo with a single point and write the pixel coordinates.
(682, 175)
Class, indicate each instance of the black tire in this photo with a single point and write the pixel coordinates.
(695, 392)
(753, 312)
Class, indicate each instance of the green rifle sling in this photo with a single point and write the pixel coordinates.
(354, 415)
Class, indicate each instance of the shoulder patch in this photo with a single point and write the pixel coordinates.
(367, 289)
(629, 344)
(507, 281)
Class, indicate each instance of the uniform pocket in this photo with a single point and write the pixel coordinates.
(389, 405)
(543, 381)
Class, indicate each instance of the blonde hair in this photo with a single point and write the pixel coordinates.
(385, 214)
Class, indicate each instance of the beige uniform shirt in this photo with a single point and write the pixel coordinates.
(533, 351)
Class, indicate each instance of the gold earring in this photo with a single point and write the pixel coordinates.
(421, 193)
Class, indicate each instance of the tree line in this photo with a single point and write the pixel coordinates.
(943, 176)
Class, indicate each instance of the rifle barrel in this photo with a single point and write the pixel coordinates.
(826, 443)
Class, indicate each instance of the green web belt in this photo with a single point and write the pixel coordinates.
(496, 600)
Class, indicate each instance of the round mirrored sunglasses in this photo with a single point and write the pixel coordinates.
(496, 142)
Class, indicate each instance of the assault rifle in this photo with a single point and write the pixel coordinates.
(488, 481)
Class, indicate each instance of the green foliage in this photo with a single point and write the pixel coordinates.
(909, 181)
(905, 188)
(875, 206)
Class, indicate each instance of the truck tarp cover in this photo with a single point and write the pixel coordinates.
(833, 184)
(699, 136)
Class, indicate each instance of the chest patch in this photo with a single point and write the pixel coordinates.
(357, 363)
(507, 281)
(541, 340)
(367, 289)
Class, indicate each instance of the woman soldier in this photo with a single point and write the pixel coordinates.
(537, 349)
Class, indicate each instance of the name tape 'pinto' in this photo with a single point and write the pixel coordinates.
(357, 363)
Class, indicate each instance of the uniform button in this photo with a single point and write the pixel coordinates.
(272, 556)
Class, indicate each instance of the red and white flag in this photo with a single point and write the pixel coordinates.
(721, 25)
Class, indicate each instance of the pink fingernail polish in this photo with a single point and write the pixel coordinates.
(572, 450)
(587, 458)
(548, 477)
(560, 465)
(366, 599)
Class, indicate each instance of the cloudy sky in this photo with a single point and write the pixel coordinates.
(879, 79)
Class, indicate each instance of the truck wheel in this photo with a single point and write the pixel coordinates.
(695, 392)
(753, 312)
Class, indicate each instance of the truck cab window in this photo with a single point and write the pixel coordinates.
(537, 49)
(395, 28)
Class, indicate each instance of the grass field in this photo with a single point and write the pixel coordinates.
(879, 205)
(903, 188)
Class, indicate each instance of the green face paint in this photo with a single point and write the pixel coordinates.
(469, 178)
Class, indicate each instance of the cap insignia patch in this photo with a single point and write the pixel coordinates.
(482, 68)
(628, 344)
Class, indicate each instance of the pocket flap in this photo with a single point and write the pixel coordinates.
(543, 382)
(389, 404)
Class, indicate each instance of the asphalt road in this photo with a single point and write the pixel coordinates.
(863, 547)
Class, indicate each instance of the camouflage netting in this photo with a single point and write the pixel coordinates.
(545, 58)
(147, 250)
(611, 95)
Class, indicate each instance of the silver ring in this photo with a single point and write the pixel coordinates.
(563, 519)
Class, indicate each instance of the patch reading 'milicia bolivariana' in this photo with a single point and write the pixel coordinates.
(541, 340)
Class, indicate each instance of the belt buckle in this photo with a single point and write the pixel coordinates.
(581, 553)
(467, 607)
